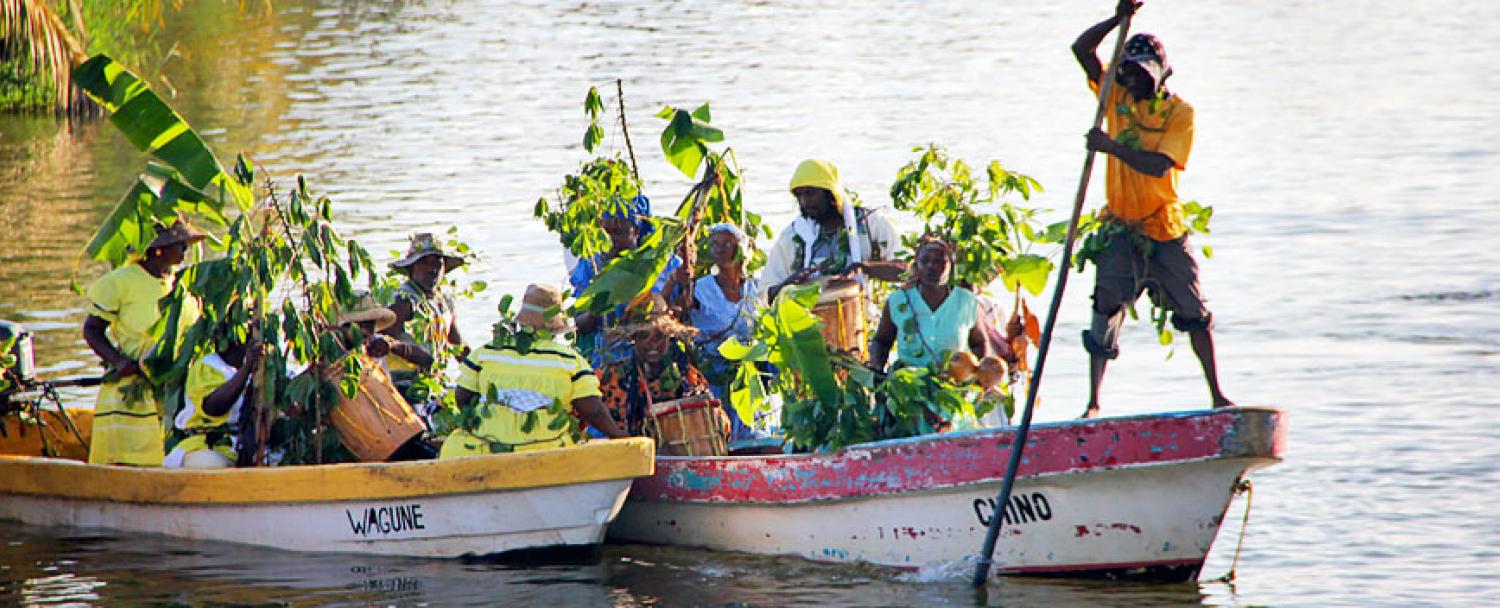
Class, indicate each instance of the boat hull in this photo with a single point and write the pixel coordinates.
(469, 506)
(1134, 498)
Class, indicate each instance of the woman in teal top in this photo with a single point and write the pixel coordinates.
(930, 318)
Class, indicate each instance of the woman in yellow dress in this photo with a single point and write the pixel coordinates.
(123, 311)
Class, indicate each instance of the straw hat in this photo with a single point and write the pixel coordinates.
(422, 245)
(366, 309)
(540, 299)
(179, 232)
(653, 314)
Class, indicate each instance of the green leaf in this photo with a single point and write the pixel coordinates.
(734, 350)
(805, 351)
(1208, 251)
(1027, 270)
(593, 105)
(155, 128)
(633, 272)
(592, 137)
(747, 392)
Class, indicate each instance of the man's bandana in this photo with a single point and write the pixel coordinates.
(1147, 51)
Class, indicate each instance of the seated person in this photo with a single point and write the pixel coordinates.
(725, 305)
(627, 226)
(212, 398)
(930, 319)
(659, 368)
(365, 322)
(528, 380)
(426, 317)
(832, 236)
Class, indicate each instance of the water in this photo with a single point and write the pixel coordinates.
(1349, 152)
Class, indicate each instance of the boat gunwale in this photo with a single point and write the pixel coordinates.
(593, 461)
(676, 475)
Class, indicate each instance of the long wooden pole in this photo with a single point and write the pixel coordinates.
(987, 553)
(624, 128)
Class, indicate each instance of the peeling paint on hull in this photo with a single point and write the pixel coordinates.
(1140, 495)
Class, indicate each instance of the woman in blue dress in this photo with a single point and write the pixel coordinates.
(627, 225)
(725, 305)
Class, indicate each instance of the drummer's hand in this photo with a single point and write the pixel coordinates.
(253, 351)
(124, 368)
(379, 345)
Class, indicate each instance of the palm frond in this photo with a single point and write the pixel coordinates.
(29, 29)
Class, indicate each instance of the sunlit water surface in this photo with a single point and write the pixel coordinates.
(1349, 151)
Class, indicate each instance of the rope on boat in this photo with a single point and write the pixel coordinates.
(1246, 488)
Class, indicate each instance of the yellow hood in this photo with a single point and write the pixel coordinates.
(820, 173)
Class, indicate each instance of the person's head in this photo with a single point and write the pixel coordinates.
(1143, 69)
(816, 203)
(426, 263)
(819, 193)
(653, 329)
(170, 246)
(542, 309)
(628, 222)
(167, 257)
(933, 264)
(366, 315)
(651, 344)
(726, 245)
(623, 234)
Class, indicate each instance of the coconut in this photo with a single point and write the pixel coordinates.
(961, 368)
(991, 372)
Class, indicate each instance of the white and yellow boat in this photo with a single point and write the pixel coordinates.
(442, 508)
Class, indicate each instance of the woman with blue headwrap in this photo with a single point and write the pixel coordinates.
(627, 224)
(725, 304)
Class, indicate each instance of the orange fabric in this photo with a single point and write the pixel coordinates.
(1147, 202)
(616, 393)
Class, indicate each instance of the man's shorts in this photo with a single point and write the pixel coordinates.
(1169, 273)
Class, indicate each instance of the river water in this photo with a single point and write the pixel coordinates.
(1349, 151)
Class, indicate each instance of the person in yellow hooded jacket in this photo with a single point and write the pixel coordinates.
(832, 236)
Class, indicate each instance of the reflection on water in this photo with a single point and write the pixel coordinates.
(1348, 154)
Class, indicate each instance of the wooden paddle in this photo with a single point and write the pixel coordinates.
(987, 553)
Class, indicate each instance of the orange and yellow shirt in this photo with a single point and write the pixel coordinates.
(1163, 126)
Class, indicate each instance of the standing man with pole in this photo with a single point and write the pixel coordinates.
(1150, 136)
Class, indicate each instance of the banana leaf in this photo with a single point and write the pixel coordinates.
(154, 197)
(802, 341)
(155, 128)
(632, 273)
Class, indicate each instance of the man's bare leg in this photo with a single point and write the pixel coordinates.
(1096, 378)
(1203, 346)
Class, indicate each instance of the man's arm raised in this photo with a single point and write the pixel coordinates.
(1085, 48)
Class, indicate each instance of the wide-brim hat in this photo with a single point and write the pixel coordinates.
(422, 245)
(652, 314)
(366, 309)
(541, 308)
(179, 232)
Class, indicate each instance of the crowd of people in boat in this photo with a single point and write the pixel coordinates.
(611, 368)
(664, 348)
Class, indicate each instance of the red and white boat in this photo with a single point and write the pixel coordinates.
(1131, 497)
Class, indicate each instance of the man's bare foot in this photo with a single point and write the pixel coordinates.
(1222, 401)
(1091, 412)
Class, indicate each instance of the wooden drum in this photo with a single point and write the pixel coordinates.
(841, 306)
(377, 420)
(694, 426)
